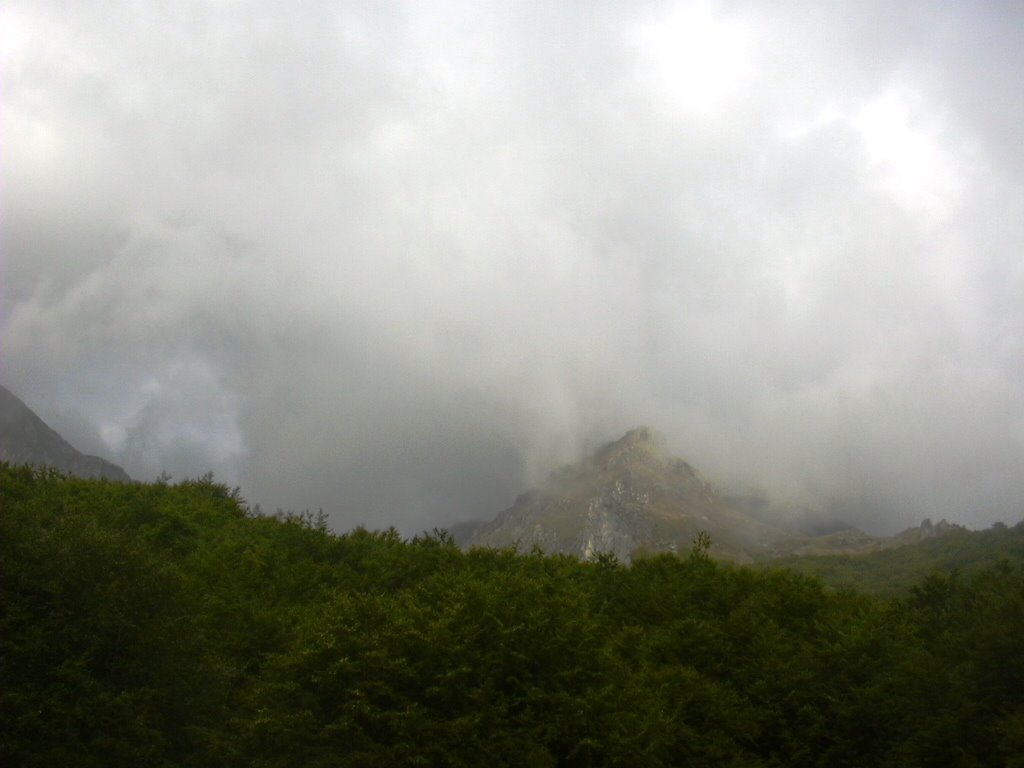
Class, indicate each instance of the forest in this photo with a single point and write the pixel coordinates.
(158, 624)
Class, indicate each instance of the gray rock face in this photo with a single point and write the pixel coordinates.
(26, 439)
(630, 495)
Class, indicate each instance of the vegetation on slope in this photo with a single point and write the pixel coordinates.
(157, 625)
(893, 572)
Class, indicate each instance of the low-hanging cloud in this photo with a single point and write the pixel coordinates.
(398, 260)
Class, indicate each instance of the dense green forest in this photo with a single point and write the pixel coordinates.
(169, 625)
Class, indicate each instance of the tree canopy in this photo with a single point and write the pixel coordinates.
(166, 625)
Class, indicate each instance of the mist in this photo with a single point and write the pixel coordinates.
(400, 260)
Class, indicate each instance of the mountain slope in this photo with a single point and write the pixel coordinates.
(26, 439)
(912, 556)
(630, 495)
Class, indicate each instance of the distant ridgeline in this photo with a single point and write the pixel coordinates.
(939, 548)
(160, 625)
(26, 439)
(633, 497)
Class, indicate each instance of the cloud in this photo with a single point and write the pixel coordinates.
(398, 260)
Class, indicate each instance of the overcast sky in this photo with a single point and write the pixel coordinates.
(399, 260)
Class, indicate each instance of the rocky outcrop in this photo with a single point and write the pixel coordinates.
(26, 439)
(631, 495)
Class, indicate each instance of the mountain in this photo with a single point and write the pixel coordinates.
(905, 560)
(630, 495)
(801, 520)
(26, 439)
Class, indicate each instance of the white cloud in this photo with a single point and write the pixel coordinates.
(395, 259)
(694, 56)
(909, 151)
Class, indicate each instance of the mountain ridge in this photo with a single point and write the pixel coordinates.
(633, 496)
(26, 439)
(630, 494)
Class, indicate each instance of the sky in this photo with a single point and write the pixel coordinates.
(399, 260)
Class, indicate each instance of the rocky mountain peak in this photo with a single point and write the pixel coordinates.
(630, 494)
(638, 446)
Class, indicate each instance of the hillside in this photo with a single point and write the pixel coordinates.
(158, 625)
(894, 570)
(26, 439)
(631, 495)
